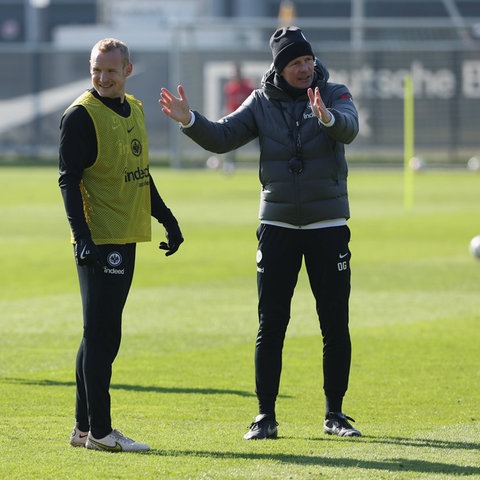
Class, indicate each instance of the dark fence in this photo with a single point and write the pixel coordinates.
(39, 81)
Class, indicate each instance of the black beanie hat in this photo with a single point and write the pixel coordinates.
(288, 43)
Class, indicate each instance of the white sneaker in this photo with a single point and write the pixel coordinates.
(115, 442)
(78, 438)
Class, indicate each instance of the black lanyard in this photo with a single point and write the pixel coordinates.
(295, 163)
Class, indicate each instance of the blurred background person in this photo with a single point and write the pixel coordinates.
(236, 90)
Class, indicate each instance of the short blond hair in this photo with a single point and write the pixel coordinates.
(109, 44)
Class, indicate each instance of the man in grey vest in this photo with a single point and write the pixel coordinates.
(302, 122)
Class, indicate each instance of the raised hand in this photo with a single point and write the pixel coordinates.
(175, 107)
(318, 107)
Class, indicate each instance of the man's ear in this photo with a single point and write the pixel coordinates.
(128, 70)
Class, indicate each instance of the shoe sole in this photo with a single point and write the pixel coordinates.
(272, 436)
(78, 441)
(328, 432)
(116, 449)
(104, 448)
(78, 444)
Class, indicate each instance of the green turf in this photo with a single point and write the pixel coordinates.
(183, 381)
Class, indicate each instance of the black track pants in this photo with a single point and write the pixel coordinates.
(104, 292)
(279, 259)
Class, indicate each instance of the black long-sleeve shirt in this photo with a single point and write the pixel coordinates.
(78, 151)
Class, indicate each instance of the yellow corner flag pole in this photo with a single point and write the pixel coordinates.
(409, 140)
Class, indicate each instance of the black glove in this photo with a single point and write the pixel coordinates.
(86, 252)
(174, 238)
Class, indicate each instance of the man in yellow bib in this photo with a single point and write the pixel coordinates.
(109, 198)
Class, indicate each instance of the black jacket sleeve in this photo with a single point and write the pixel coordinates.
(159, 210)
(77, 151)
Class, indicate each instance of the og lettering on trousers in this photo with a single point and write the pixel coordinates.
(342, 266)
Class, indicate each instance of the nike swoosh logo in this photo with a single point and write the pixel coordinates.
(84, 253)
(108, 448)
(342, 255)
(83, 436)
(130, 129)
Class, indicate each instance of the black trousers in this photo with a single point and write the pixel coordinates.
(327, 260)
(104, 291)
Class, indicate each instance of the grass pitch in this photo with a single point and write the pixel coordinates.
(183, 381)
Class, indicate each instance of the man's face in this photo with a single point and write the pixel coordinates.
(299, 72)
(109, 73)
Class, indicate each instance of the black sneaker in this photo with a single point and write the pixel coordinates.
(262, 427)
(337, 424)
